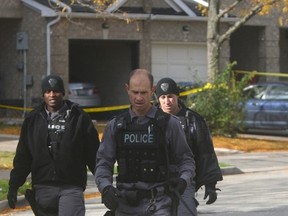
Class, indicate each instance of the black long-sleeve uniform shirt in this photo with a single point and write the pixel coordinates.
(77, 150)
(200, 141)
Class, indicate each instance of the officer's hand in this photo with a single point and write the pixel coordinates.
(210, 190)
(110, 197)
(109, 213)
(12, 197)
(178, 184)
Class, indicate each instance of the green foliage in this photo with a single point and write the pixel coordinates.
(222, 104)
(6, 159)
(4, 188)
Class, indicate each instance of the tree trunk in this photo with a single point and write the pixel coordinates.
(213, 40)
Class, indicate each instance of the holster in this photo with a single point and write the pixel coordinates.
(175, 203)
(132, 197)
(30, 196)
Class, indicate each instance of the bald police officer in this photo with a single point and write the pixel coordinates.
(155, 163)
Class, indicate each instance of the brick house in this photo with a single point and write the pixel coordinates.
(168, 37)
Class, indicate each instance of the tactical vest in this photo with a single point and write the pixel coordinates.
(142, 153)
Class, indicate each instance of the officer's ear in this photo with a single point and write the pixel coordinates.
(153, 88)
(126, 87)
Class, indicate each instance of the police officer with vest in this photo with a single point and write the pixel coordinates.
(154, 161)
(199, 139)
(58, 142)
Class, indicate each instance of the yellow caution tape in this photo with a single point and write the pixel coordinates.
(92, 109)
(112, 108)
(15, 108)
(193, 91)
(262, 73)
(105, 109)
(120, 107)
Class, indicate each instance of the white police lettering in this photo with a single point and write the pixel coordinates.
(138, 138)
(56, 127)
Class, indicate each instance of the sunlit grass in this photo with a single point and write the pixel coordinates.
(223, 165)
(6, 159)
(4, 188)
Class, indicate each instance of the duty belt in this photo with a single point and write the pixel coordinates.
(133, 197)
(148, 194)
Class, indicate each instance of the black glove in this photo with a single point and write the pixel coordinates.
(178, 184)
(109, 213)
(110, 197)
(210, 190)
(12, 197)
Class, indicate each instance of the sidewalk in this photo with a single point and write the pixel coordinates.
(239, 163)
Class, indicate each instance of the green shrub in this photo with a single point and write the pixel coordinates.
(222, 104)
(4, 189)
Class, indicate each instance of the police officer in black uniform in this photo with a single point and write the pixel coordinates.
(154, 161)
(199, 139)
(57, 143)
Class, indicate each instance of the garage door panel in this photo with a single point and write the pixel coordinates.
(181, 73)
(160, 67)
(178, 53)
(160, 52)
(183, 62)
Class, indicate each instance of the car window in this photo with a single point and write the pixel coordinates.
(278, 92)
(255, 92)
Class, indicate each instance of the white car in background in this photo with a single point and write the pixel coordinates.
(84, 94)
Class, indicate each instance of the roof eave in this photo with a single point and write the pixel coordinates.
(43, 10)
(142, 17)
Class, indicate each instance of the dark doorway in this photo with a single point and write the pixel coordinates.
(245, 48)
(106, 63)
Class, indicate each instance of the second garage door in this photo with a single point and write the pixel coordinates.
(182, 62)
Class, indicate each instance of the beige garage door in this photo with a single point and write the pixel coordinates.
(182, 62)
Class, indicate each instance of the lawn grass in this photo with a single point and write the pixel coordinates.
(224, 165)
(6, 162)
(4, 188)
(6, 159)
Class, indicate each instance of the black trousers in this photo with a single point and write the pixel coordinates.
(63, 200)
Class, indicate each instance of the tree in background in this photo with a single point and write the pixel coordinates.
(215, 10)
(244, 10)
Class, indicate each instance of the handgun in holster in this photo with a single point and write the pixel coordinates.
(30, 196)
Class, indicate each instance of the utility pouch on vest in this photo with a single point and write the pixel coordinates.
(149, 171)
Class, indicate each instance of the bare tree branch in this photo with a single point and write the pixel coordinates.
(229, 8)
(254, 11)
